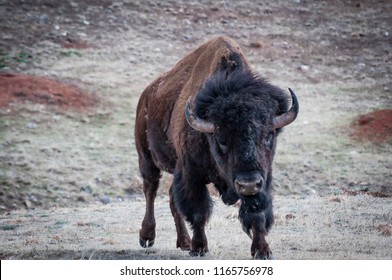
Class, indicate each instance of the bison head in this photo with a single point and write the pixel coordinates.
(241, 115)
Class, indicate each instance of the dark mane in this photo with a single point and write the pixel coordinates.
(241, 86)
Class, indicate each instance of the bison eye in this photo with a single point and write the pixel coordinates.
(268, 141)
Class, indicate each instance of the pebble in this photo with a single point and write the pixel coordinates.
(43, 19)
(105, 199)
(31, 125)
(304, 67)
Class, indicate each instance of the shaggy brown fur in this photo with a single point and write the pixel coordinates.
(165, 98)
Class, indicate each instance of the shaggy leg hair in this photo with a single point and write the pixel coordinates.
(256, 216)
(191, 197)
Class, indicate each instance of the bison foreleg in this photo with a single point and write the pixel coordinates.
(191, 197)
(256, 223)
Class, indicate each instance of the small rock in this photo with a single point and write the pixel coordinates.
(28, 203)
(304, 67)
(256, 45)
(290, 216)
(86, 189)
(81, 199)
(105, 199)
(43, 19)
(31, 125)
(336, 199)
(187, 22)
(85, 120)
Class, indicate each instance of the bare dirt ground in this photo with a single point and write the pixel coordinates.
(69, 184)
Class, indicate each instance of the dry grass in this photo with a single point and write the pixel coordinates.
(310, 227)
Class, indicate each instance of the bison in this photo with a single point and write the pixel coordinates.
(211, 119)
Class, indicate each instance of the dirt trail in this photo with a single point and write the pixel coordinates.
(69, 184)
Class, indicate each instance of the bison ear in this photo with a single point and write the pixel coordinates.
(290, 115)
(195, 122)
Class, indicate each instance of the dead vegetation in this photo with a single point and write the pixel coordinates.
(310, 227)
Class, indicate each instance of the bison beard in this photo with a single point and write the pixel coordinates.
(211, 120)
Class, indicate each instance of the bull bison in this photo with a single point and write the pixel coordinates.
(211, 119)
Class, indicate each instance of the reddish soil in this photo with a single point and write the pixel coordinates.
(22, 88)
(375, 126)
(70, 43)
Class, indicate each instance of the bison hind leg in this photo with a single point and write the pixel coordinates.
(147, 232)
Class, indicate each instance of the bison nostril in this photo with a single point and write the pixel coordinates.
(249, 187)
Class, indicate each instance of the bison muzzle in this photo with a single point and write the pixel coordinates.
(211, 119)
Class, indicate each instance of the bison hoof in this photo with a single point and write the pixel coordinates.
(197, 253)
(185, 247)
(263, 257)
(146, 243)
(184, 243)
(259, 256)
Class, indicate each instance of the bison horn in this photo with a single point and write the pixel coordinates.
(289, 116)
(195, 122)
